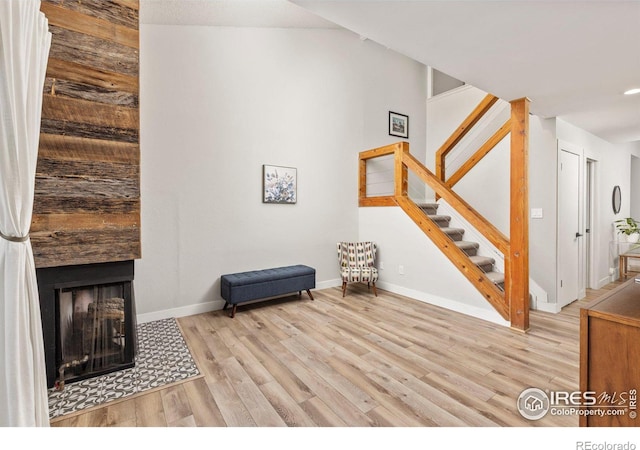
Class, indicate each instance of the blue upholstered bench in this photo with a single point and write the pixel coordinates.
(244, 287)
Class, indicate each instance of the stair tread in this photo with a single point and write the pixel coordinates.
(437, 217)
(477, 259)
(452, 230)
(495, 277)
(467, 244)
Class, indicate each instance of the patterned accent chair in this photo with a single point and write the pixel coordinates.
(357, 264)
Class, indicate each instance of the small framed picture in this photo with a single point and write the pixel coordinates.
(279, 184)
(398, 125)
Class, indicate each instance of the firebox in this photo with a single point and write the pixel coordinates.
(88, 320)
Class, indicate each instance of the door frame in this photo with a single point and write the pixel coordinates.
(576, 150)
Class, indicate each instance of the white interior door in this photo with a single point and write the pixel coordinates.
(570, 233)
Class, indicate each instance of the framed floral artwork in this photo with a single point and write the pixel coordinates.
(279, 184)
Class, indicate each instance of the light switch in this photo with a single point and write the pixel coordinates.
(536, 213)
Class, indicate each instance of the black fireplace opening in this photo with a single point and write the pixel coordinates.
(88, 320)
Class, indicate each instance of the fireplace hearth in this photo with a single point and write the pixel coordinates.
(88, 320)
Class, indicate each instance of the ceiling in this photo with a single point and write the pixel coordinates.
(572, 59)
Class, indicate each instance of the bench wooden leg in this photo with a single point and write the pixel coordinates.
(233, 311)
(225, 305)
(309, 292)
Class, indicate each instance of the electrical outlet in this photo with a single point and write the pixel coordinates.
(401, 270)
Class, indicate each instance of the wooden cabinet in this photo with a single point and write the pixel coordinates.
(610, 358)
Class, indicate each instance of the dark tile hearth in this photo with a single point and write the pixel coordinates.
(163, 357)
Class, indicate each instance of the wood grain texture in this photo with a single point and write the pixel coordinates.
(467, 124)
(119, 12)
(386, 361)
(90, 24)
(87, 190)
(517, 275)
(93, 52)
(479, 154)
(76, 72)
(459, 258)
(609, 351)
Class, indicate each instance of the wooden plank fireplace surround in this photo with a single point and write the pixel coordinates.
(86, 216)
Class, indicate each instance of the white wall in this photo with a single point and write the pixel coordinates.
(612, 167)
(635, 187)
(543, 163)
(217, 104)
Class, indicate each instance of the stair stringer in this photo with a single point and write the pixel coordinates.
(538, 296)
(428, 275)
(486, 246)
(473, 273)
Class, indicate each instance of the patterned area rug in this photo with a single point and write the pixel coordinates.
(163, 357)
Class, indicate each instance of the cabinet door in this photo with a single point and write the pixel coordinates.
(613, 372)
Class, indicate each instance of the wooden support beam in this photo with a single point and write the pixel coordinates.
(517, 283)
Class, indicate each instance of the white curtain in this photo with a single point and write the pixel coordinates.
(24, 50)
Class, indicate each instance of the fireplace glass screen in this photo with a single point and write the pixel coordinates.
(92, 335)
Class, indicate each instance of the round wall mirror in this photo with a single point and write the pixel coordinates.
(617, 199)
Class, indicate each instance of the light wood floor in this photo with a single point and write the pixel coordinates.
(357, 361)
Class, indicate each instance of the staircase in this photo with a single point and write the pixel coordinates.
(508, 293)
(484, 263)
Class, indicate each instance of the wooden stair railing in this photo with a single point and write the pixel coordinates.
(513, 303)
(483, 107)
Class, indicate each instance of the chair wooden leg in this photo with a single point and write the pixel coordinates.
(375, 291)
(344, 288)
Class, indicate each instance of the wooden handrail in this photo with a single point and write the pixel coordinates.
(461, 132)
(479, 154)
(381, 151)
(472, 216)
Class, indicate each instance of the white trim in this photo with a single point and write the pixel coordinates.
(453, 91)
(452, 305)
(548, 307)
(182, 311)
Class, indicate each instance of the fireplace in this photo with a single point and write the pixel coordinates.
(88, 320)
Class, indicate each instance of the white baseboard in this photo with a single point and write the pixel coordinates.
(182, 311)
(453, 305)
(548, 307)
(215, 305)
(606, 280)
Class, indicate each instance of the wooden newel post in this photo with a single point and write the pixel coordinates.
(518, 276)
(401, 173)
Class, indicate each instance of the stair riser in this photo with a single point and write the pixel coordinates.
(485, 267)
(470, 251)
